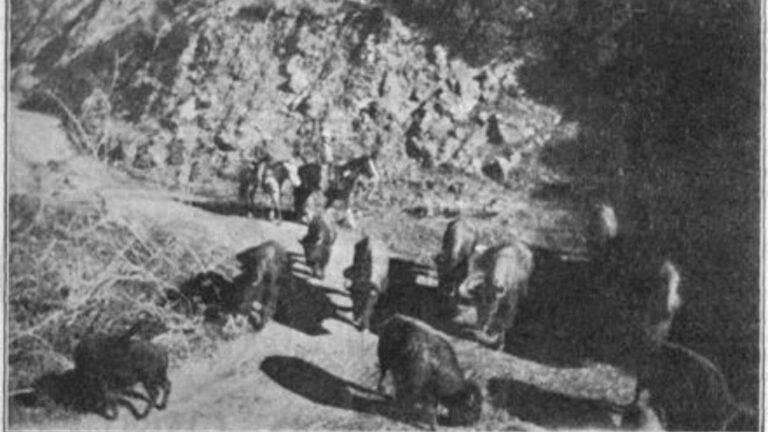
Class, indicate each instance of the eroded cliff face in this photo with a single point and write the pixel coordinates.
(191, 88)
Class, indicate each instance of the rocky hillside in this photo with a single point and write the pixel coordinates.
(190, 88)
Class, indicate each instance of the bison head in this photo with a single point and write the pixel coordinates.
(465, 408)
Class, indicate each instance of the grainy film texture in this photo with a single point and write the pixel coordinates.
(383, 214)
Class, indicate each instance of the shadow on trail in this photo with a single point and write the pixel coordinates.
(320, 386)
(565, 319)
(556, 323)
(306, 305)
(549, 409)
(236, 208)
(405, 295)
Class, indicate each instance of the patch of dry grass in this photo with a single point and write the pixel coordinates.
(74, 270)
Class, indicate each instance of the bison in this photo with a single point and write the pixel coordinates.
(425, 370)
(688, 390)
(317, 245)
(635, 268)
(368, 280)
(498, 280)
(459, 242)
(269, 176)
(123, 361)
(264, 268)
(337, 182)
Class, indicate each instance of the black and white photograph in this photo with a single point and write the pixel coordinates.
(361, 215)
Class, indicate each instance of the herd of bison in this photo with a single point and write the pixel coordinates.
(617, 302)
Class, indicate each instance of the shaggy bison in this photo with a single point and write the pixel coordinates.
(317, 245)
(265, 267)
(425, 370)
(123, 361)
(689, 391)
(499, 278)
(635, 268)
(452, 262)
(368, 278)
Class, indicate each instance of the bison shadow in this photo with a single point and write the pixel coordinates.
(306, 305)
(236, 208)
(555, 322)
(552, 321)
(320, 386)
(566, 319)
(549, 409)
(406, 296)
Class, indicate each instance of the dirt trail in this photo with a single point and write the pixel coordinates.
(281, 377)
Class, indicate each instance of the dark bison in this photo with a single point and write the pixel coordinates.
(318, 245)
(459, 242)
(635, 268)
(264, 269)
(425, 370)
(337, 182)
(123, 361)
(498, 279)
(368, 280)
(80, 392)
(269, 176)
(689, 391)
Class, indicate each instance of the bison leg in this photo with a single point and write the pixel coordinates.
(430, 407)
(133, 393)
(275, 196)
(108, 407)
(300, 196)
(135, 412)
(152, 391)
(349, 217)
(271, 304)
(380, 384)
(109, 411)
(252, 200)
(502, 340)
(318, 272)
(365, 319)
(166, 386)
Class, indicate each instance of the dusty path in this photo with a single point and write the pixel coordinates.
(281, 377)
